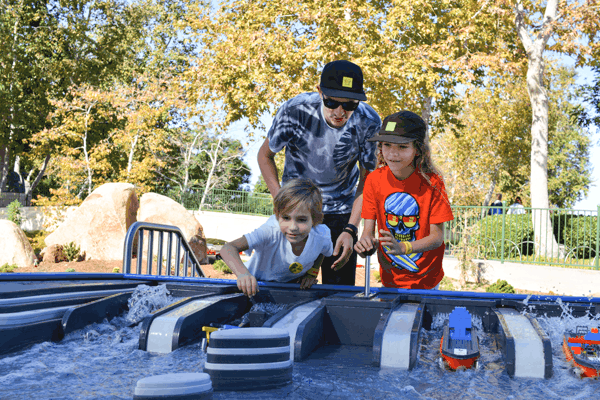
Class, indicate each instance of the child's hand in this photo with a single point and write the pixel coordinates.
(247, 284)
(367, 245)
(307, 281)
(387, 239)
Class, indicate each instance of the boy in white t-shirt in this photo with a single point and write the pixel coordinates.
(289, 247)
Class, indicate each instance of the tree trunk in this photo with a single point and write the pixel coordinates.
(545, 243)
(39, 176)
(4, 173)
(131, 153)
(488, 196)
(213, 158)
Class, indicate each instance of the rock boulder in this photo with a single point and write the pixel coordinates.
(98, 226)
(14, 246)
(159, 209)
(54, 254)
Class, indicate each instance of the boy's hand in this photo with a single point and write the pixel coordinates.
(307, 281)
(387, 239)
(367, 245)
(247, 284)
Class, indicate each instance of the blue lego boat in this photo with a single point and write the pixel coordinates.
(460, 344)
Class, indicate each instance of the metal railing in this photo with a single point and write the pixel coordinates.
(174, 265)
(230, 201)
(573, 238)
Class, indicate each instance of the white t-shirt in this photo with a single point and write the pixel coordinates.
(273, 258)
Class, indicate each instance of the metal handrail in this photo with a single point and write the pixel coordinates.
(137, 229)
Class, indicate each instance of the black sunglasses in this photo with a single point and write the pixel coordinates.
(348, 105)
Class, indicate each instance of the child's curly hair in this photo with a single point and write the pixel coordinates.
(422, 162)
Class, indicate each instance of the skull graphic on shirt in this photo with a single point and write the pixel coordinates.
(402, 220)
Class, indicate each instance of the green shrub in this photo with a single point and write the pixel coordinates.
(6, 268)
(377, 276)
(36, 239)
(218, 242)
(580, 232)
(518, 230)
(14, 212)
(70, 270)
(501, 286)
(220, 265)
(71, 251)
(446, 284)
(116, 270)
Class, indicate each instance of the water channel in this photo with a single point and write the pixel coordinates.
(102, 361)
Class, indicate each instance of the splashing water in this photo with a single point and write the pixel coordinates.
(102, 361)
(269, 308)
(145, 300)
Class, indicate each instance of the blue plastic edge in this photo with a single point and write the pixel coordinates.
(421, 292)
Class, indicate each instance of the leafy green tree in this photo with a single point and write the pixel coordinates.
(47, 48)
(413, 53)
(491, 153)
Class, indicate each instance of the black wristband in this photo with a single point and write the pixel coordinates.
(353, 227)
(352, 233)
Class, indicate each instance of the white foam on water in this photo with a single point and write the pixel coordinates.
(147, 299)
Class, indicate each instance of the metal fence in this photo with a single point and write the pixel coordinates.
(229, 201)
(573, 239)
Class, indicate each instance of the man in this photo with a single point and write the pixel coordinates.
(325, 134)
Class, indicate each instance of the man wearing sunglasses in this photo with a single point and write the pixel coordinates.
(325, 134)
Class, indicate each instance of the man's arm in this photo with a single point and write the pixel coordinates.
(268, 169)
(345, 241)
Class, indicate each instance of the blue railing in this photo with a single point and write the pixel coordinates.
(174, 265)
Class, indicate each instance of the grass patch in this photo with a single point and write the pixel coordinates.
(220, 265)
(446, 284)
(7, 268)
(218, 242)
(70, 270)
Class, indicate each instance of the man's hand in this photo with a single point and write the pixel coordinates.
(345, 242)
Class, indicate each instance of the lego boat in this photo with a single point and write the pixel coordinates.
(459, 346)
(582, 348)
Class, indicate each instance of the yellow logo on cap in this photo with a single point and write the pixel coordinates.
(347, 82)
(390, 126)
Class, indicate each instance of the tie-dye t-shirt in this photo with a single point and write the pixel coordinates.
(324, 154)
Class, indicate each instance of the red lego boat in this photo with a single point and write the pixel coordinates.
(582, 348)
(460, 343)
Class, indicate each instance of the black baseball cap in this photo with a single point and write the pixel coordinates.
(401, 127)
(342, 78)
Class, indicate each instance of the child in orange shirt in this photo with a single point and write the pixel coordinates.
(405, 197)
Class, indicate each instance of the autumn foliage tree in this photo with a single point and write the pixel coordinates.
(253, 56)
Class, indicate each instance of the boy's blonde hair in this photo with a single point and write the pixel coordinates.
(297, 192)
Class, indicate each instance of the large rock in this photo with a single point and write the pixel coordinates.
(160, 209)
(54, 254)
(14, 246)
(98, 226)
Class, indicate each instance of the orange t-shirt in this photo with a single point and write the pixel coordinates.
(406, 209)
